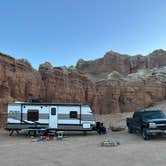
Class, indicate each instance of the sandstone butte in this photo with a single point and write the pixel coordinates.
(113, 83)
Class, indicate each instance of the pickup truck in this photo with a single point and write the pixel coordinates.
(147, 122)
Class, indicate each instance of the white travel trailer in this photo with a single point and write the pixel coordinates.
(49, 116)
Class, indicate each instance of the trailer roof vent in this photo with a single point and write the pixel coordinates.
(18, 102)
(34, 101)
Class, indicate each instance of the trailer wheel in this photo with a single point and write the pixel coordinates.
(32, 133)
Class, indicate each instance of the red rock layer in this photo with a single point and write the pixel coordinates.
(20, 82)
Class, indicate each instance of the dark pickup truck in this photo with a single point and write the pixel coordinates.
(147, 122)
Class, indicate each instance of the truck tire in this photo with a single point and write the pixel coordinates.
(85, 133)
(130, 130)
(145, 134)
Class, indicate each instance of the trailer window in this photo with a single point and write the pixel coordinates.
(33, 115)
(53, 111)
(73, 114)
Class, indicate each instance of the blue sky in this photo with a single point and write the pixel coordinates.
(63, 31)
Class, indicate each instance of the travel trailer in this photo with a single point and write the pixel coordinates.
(49, 116)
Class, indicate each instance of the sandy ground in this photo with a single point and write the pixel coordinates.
(79, 150)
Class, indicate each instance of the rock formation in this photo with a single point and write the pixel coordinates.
(126, 83)
(133, 92)
(20, 82)
(113, 83)
(124, 64)
(63, 85)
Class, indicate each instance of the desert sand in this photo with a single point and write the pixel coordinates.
(78, 150)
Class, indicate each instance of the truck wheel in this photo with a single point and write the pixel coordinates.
(85, 133)
(145, 134)
(130, 130)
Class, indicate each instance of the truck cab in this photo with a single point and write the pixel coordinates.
(147, 122)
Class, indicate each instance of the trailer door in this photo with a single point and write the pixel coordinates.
(53, 117)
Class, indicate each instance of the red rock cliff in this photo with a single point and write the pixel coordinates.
(20, 82)
(117, 92)
(124, 64)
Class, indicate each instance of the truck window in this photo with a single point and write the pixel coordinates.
(153, 115)
(33, 115)
(73, 114)
(136, 114)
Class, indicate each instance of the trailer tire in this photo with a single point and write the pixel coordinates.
(32, 133)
